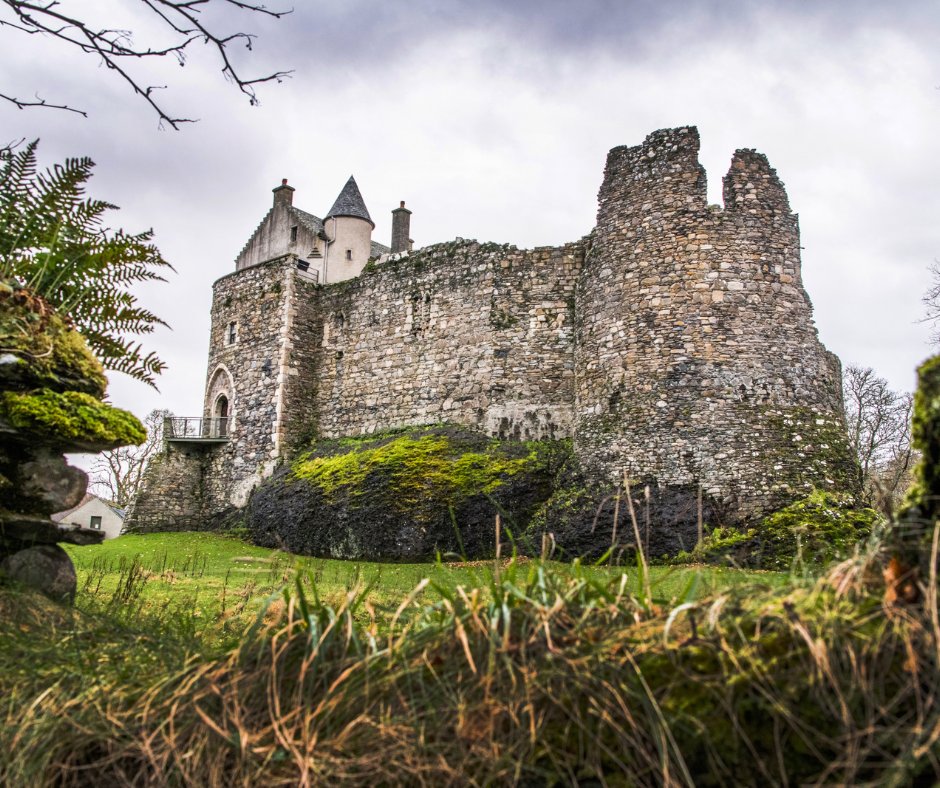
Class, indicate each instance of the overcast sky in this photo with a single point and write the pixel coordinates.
(493, 119)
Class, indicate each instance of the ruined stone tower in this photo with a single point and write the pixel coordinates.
(697, 361)
(674, 344)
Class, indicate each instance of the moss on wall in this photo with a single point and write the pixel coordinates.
(71, 418)
(416, 467)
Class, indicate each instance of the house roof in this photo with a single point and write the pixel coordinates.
(58, 517)
(313, 223)
(378, 249)
(350, 203)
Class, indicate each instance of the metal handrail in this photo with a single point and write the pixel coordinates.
(196, 428)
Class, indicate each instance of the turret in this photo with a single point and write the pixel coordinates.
(349, 231)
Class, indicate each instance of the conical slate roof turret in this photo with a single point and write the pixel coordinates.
(350, 203)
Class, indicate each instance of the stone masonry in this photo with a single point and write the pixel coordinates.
(674, 344)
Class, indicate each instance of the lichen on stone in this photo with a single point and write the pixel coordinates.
(70, 418)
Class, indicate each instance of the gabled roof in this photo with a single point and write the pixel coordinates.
(350, 203)
(313, 223)
(58, 517)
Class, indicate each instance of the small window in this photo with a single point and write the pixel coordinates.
(96, 523)
(293, 234)
(349, 254)
(231, 333)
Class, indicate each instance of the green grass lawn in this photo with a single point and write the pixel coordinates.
(214, 580)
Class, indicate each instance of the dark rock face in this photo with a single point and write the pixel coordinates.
(580, 518)
(404, 497)
(47, 568)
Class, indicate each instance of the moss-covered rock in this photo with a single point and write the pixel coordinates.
(71, 419)
(818, 529)
(404, 495)
(39, 349)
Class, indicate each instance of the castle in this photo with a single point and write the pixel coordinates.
(674, 343)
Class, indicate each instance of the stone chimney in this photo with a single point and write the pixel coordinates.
(401, 229)
(283, 194)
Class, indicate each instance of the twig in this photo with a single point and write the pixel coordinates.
(113, 46)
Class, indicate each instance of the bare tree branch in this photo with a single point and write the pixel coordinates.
(40, 102)
(879, 424)
(117, 49)
(118, 473)
(931, 300)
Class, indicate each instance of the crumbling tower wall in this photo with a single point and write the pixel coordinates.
(697, 361)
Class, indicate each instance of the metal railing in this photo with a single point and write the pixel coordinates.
(196, 428)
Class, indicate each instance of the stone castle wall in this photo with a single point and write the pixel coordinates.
(476, 334)
(698, 361)
(675, 343)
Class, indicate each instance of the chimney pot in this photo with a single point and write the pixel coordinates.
(283, 194)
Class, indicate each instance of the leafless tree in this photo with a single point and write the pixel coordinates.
(879, 422)
(931, 300)
(117, 473)
(184, 23)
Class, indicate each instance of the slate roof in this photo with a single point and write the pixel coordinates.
(308, 220)
(315, 225)
(379, 249)
(350, 203)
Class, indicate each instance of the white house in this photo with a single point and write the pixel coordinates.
(93, 513)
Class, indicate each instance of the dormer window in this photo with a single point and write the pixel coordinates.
(349, 254)
(231, 333)
(293, 234)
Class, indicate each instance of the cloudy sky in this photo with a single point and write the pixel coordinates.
(493, 118)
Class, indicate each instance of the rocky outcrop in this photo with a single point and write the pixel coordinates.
(405, 496)
(51, 390)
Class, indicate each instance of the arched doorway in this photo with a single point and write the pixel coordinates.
(221, 417)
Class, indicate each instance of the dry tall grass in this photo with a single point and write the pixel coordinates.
(543, 678)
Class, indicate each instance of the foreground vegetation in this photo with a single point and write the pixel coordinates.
(522, 673)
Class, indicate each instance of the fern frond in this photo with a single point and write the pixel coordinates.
(53, 238)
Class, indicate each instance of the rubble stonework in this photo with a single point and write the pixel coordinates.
(675, 343)
(697, 358)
